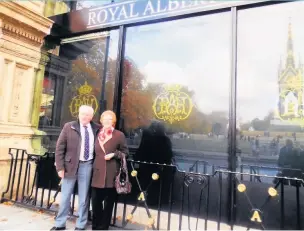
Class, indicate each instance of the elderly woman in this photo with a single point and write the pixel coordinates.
(110, 145)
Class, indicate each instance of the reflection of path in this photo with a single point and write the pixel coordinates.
(185, 165)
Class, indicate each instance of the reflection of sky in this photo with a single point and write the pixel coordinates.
(262, 42)
(196, 52)
(176, 52)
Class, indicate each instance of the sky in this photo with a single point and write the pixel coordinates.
(196, 52)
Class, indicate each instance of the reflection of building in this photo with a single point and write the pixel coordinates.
(291, 85)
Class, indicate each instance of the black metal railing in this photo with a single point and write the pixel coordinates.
(165, 197)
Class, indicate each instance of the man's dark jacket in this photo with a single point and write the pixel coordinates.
(68, 147)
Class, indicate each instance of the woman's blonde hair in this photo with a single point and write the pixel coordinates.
(111, 113)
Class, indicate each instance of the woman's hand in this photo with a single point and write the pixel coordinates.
(109, 156)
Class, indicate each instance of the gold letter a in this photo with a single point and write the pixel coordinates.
(256, 217)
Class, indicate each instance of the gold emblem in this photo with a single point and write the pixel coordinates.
(172, 105)
(155, 176)
(272, 192)
(83, 98)
(241, 187)
(256, 217)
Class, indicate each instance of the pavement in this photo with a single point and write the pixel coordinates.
(13, 217)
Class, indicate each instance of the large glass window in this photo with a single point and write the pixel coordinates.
(88, 78)
(270, 85)
(175, 97)
(270, 104)
(92, 76)
(47, 101)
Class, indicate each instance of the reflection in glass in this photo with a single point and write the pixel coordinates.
(91, 79)
(177, 74)
(270, 97)
(47, 101)
(269, 110)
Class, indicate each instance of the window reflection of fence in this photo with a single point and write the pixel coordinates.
(178, 199)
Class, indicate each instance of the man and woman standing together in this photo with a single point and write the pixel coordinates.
(89, 154)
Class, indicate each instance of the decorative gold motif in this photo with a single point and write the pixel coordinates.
(172, 105)
(83, 98)
(141, 197)
(155, 176)
(134, 173)
(272, 192)
(256, 217)
(85, 89)
(241, 187)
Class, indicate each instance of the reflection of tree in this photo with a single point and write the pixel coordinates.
(259, 125)
(216, 129)
(197, 123)
(138, 98)
(136, 106)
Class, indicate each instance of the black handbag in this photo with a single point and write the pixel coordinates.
(122, 183)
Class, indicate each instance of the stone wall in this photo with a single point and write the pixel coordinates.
(22, 31)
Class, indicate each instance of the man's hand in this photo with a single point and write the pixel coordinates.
(61, 174)
(109, 156)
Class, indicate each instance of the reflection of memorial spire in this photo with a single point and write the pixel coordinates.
(290, 57)
(300, 64)
(280, 68)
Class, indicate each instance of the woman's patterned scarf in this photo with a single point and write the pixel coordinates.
(104, 133)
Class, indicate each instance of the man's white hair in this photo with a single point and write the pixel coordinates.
(86, 108)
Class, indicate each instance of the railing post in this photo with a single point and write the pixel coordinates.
(220, 202)
(9, 176)
(14, 173)
(282, 224)
(25, 178)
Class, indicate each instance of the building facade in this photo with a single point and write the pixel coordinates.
(23, 29)
(202, 73)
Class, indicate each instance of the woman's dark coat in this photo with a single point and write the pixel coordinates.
(105, 171)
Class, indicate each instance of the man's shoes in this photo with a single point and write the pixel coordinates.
(58, 228)
(79, 228)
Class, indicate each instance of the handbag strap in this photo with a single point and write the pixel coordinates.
(124, 162)
(124, 165)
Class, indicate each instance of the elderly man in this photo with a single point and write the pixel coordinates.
(74, 158)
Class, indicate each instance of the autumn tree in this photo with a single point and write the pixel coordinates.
(136, 108)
